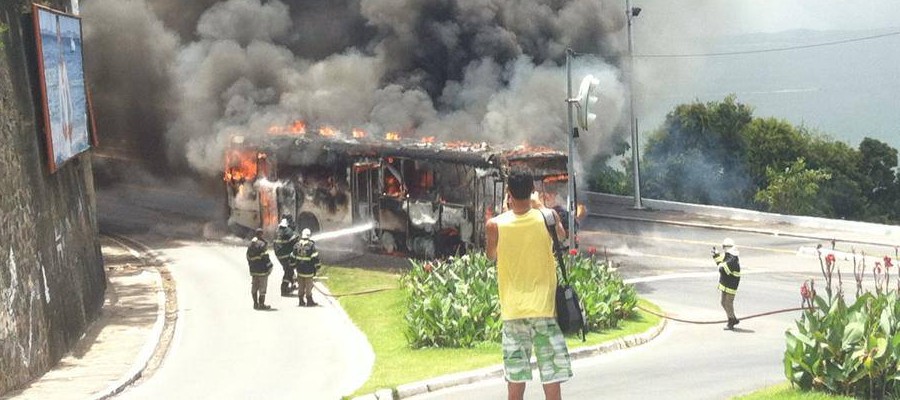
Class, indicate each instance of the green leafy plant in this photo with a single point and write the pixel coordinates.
(452, 303)
(606, 299)
(847, 349)
(455, 302)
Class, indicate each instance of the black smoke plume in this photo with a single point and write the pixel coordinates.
(180, 77)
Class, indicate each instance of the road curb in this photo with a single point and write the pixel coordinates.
(495, 371)
(152, 259)
(147, 352)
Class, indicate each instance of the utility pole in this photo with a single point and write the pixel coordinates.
(630, 13)
(571, 205)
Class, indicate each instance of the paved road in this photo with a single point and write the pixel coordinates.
(672, 267)
(221, 344)
(223, 348)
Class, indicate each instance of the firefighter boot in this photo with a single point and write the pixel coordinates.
(735, 321)
(262, 303)
(301, 303)
(310, 302)
(285, 289)
(255, 301)
(730, 325)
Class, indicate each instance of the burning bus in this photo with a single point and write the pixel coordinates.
(422, 198)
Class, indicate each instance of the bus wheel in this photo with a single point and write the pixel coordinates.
(307, 220)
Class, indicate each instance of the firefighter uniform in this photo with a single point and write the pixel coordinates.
(729, 278)
(306, 259)
(284, 246)
(260, 268)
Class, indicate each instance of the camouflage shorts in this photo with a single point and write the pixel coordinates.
(542, 334)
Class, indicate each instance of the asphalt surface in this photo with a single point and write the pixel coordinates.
(220, 343)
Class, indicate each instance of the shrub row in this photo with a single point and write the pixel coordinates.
(455, 302)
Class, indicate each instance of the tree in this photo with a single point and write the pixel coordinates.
(841, 196)
(793, 190)
(879, 183)
(772, 143)
(606, 179)
(698, 155)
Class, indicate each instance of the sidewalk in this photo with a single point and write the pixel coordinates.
(118, 346)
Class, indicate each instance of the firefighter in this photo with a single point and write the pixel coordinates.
(260, 268)
(729, 278)
(285, 240)
(306, 259)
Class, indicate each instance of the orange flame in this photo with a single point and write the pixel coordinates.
(556, 178)
(392, 136)
(580, 211)
(269, 208)
(327, 131)
(298, 127)
(358, 133)
(240, 165)
(427, 139)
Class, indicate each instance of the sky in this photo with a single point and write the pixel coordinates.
(843, 91)
(729, 17)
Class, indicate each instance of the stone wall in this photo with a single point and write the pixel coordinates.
(52, 281)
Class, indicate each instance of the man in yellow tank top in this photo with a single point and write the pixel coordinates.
(526, 275)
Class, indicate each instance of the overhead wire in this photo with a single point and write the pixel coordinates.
(772, 50)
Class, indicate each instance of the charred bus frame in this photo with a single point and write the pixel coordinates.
(424, 199)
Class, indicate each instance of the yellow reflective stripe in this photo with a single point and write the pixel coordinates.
(729, 271)
(727, 289)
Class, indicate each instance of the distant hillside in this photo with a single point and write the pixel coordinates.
(847, 91)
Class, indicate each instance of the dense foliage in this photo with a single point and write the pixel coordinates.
(718, 153)
(455, 302)
(848, 349)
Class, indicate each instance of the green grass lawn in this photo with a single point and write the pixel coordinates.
(786, 392)
(380, 317)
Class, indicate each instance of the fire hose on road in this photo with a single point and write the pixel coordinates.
(660, 315)
(688, 321)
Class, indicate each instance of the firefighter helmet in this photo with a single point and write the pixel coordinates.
(305, 233)
(728, 242)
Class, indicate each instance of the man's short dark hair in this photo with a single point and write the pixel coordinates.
(520, 184)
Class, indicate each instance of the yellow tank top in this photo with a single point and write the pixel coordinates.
(526, 269)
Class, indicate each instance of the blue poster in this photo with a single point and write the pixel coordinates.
(65, 99)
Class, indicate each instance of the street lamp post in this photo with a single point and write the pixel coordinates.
(630, 14)
(570, 165)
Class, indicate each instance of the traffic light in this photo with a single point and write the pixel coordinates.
(586, 100)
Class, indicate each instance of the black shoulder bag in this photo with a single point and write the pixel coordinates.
(569, 314)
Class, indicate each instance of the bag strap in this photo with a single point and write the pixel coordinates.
(550, 222)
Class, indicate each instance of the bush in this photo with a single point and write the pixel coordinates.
(605, 297)
(452, 303)
(455, 303)
(849, 350)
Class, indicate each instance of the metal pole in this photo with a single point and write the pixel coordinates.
(570, 198)
(635, 142)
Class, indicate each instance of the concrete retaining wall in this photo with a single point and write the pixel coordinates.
(888, 231)
(52, 281)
